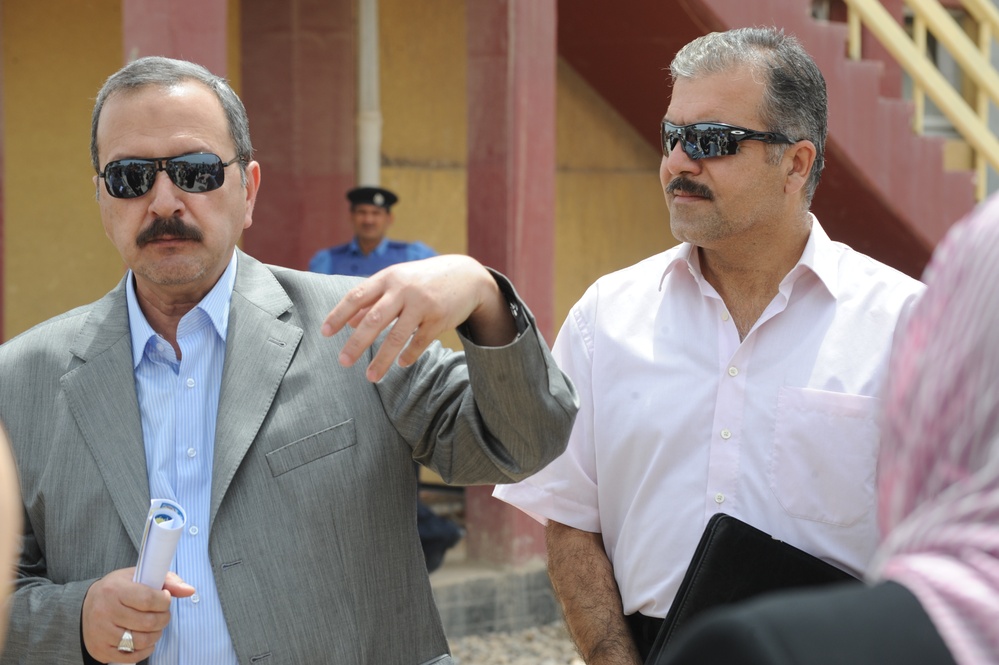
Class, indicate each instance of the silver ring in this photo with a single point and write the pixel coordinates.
(125, 645)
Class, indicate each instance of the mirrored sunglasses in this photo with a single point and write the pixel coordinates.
(712, 139)
(196, 173)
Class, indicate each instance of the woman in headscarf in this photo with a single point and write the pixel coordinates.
(933, 594)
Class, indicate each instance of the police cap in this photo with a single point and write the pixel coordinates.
(376, 196)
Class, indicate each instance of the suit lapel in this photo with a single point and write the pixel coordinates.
(259, 349)
(101, 396)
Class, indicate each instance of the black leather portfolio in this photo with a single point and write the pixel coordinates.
(735, 561)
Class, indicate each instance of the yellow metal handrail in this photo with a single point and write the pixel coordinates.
(971, 124)
(984, 12)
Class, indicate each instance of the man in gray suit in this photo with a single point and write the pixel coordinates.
(229, 386)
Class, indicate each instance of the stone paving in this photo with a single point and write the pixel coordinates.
(544, 645)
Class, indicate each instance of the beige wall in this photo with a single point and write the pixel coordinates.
(610, 209)
(424, 139)
(55, 57)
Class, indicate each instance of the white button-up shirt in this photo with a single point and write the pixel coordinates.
(679, 419)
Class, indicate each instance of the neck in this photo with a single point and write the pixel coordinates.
(748, 278)
(164, 313)
(368, 246)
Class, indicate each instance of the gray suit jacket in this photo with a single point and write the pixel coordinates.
(313, 535)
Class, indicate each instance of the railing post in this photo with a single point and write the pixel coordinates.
(918, 96)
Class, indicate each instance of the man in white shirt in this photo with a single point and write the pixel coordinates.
(737, 372)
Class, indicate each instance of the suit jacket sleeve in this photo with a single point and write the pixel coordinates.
(513, 402)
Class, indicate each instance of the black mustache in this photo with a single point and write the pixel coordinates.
(689, 187)
(174, 227)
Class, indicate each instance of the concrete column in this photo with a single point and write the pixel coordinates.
(511, 201)
(299, 90)
(192, 30)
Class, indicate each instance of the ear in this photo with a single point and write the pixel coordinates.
(252, 187)
(797, 162)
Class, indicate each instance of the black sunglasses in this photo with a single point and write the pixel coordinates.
(712, 139)
(197, 172)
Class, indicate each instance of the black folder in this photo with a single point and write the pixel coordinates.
(735, 561)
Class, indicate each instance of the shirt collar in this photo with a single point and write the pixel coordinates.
(685, 257)
(377, 251)
(215, 305)
(818, 257)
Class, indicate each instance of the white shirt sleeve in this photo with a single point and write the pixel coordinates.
(566, 489)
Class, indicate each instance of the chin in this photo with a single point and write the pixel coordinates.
(175, 273)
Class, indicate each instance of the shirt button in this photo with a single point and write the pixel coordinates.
(719, 497)
(724, 316)
(191, 452)
(193, 530)
(190, 383)
(195, 598)
(733, 371)
(726, 434)
(160, 348)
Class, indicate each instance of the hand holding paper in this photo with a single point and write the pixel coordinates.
(112, 604)
(164, 524)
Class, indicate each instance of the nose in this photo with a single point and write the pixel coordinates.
(678, 162)
(165, 196)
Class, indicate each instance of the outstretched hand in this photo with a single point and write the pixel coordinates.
(420, 300)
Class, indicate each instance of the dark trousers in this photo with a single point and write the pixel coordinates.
(845, 625)
(643, 630)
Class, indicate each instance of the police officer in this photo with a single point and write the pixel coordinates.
(366, 254)
(370, 250)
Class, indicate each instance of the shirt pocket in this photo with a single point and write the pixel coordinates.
(310, 448)
(825, 447)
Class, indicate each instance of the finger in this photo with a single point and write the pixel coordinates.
(141, 599)
(144, 642)
(377, 319)
(111, 654)
(360, 297)
(425, 331)
(397, 339)
(177, 587)
(418, 343)
(357, 318)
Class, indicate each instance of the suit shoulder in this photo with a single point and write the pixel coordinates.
(55, 334)
(303, 282)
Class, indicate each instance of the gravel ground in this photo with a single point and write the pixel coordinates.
(546, 645)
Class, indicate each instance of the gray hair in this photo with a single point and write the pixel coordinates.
(794, 97)
(166, 72)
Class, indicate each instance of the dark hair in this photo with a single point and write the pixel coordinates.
(166, 72)
(794, 98)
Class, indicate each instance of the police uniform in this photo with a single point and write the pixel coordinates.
(348, 259)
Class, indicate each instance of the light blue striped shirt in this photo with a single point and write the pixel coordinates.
(178, 402)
